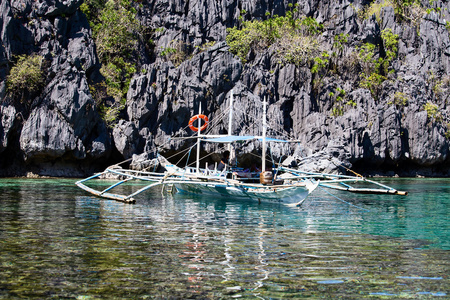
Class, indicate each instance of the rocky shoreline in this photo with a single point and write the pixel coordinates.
(60, 133)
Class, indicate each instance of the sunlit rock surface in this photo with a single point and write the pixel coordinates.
(62, 127)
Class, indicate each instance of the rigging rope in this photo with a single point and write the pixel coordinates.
(188, 155)
(188, 152)
(220, 149)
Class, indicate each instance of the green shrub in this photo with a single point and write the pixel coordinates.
(440, 85)
(117, 73)
(372, 82)
(116, 32)
(432, 111)
(338, 48)
(168, 51)
(340, 105)
(375, 68)
(320, 62)
(375, 9)
(337, 111)
(399, 99)
(297, 50)
(177, 52)
(92, 10)
(367, 58)
(252, 35)
(320, 69)
(110, 114)
(294, 39)
(311, 26)
(205, 46)
(410, 10)
(390, 42)
(26, 77)
(370, 66)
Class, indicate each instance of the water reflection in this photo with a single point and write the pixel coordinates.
(261, 265)
(56, 242)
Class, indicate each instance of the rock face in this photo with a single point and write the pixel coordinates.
(61, 133)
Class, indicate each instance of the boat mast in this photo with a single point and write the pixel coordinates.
(263, 163)
(197, 163)
(230, 123)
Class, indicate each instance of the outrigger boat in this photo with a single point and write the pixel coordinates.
(279, 184)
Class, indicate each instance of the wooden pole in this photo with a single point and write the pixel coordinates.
(197, 163)
(230, 128)
(263, 163)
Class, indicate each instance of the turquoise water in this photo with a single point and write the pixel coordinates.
(58, 242)
(422, 215)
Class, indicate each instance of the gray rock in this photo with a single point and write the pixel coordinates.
(7, 117)
(63, 126)
(46, 134)
(125, 138)
(51, 8)
(144, 162)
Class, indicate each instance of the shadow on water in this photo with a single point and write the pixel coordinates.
(57, 242)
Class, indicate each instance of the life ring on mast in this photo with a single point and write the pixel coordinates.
(196, 117)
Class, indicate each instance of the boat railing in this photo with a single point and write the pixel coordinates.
(204, 172)
(142, 175)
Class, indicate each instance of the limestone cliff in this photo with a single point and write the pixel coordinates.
(59, 131)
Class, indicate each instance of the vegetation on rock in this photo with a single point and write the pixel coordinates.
(407, 10)
(26, 77)
(297, 41)
(432, 111)
(338, 107)
(294, 39)
(116, 31)
(177, 52)
(374, 67)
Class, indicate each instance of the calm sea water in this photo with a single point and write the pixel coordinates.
(57, 242)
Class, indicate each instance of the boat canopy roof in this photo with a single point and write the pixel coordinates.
(235, 138)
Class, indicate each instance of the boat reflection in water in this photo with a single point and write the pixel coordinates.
(265, 249)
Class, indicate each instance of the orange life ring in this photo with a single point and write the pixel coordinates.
(200, 116)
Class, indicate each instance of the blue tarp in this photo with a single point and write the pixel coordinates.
(234, 138)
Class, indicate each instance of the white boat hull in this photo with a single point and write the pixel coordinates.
(285, 195)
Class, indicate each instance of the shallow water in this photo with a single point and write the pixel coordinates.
(58, 242)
